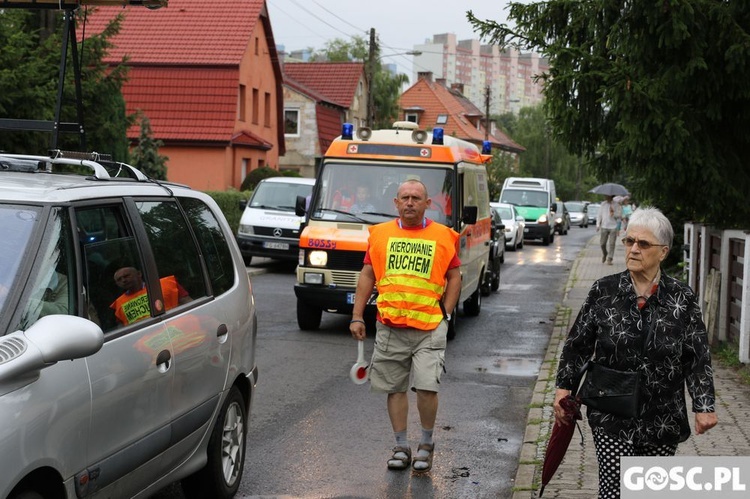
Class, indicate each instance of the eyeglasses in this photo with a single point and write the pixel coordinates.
(644, 245)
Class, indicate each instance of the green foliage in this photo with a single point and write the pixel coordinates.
(339, 50)
(290, 173)
(498, 169)
(30, 50)
(655, 93)
(229, 202)
(256, 176)
(146, 155)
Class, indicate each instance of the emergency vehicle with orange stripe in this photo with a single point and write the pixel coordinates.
(355, 188)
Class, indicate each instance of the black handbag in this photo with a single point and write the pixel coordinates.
(610, 390)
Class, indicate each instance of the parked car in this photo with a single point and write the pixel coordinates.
(579, 214)
(127, 334)
(562, 218)
(593, 210)
(514, 225)
(491, 280)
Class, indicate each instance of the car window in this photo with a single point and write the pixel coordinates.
(213, 244)
(53, 282)
(108, 245)
(17, 224)
(175, 253)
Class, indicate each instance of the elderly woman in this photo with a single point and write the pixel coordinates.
(621, 313)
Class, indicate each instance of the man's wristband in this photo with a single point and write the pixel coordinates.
(356, 320)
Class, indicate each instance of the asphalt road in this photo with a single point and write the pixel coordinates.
(314, 434)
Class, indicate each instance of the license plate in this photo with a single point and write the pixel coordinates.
(277, 246)
(350, 298)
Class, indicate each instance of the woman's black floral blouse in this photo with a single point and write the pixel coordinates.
(612, 327)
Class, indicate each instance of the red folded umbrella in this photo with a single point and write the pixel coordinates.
(560, 439)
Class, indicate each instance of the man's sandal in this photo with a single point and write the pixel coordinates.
(401, 458)
(422, 464)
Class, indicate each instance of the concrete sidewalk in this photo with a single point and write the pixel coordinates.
(577, 476)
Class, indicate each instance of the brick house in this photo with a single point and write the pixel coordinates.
(208, 77)
(318, 98)
(432, 104)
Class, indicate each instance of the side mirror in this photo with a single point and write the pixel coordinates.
(243, 204)
(300, 208)
(469, 215)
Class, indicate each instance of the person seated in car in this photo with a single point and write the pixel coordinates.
(133, 304)
(362, 201)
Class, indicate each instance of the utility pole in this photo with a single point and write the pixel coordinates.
(370, 80)
(487, 113)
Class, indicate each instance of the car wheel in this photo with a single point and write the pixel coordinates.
(520, 244)
(226, 453)
(473, 305)
(547, 239)
(484, 288)
(495, 283)
(308, 318)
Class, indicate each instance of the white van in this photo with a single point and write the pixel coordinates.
(535, 201)
(269, 226)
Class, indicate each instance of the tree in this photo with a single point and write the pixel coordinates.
(386, 85)
(146, 155)
(30, 48)
(655, 93)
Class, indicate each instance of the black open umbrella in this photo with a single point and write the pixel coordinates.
(610, 189)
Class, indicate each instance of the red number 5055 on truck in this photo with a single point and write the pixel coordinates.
(355, 188)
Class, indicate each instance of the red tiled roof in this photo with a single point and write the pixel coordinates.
(337, 81)
(184, 32)
(435, 99)
(329, 125)
(184, 103)
(248, 138)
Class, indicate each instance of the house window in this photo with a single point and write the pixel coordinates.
(291, 122)
(256, 105)
(442, 119)
(257, 46)
(241, 103)
(412, 117)
(267, 110)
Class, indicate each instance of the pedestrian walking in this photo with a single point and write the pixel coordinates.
(642, 326)
(412, 262)
(607, 224)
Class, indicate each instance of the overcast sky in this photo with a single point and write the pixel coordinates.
(399, 24)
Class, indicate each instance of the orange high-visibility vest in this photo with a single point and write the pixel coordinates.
(133, 307)
(410, 267)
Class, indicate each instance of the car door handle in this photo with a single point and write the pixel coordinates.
(222, 330)
(163, 358)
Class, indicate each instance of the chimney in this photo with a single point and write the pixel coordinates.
(441, 81)
(425, 75)
(458, 87)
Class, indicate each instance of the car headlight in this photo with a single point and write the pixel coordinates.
(508, 229)
(318, 258)
(558, 220)
(542, 219)
(246, 229)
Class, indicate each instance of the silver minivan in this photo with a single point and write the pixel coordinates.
(127, 334)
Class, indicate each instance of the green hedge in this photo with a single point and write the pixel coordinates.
(229, 202)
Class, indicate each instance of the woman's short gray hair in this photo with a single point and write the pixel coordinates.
(652, 219)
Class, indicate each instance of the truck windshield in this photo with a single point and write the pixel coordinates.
(278, 195)
(525, 197)
(365, 192)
